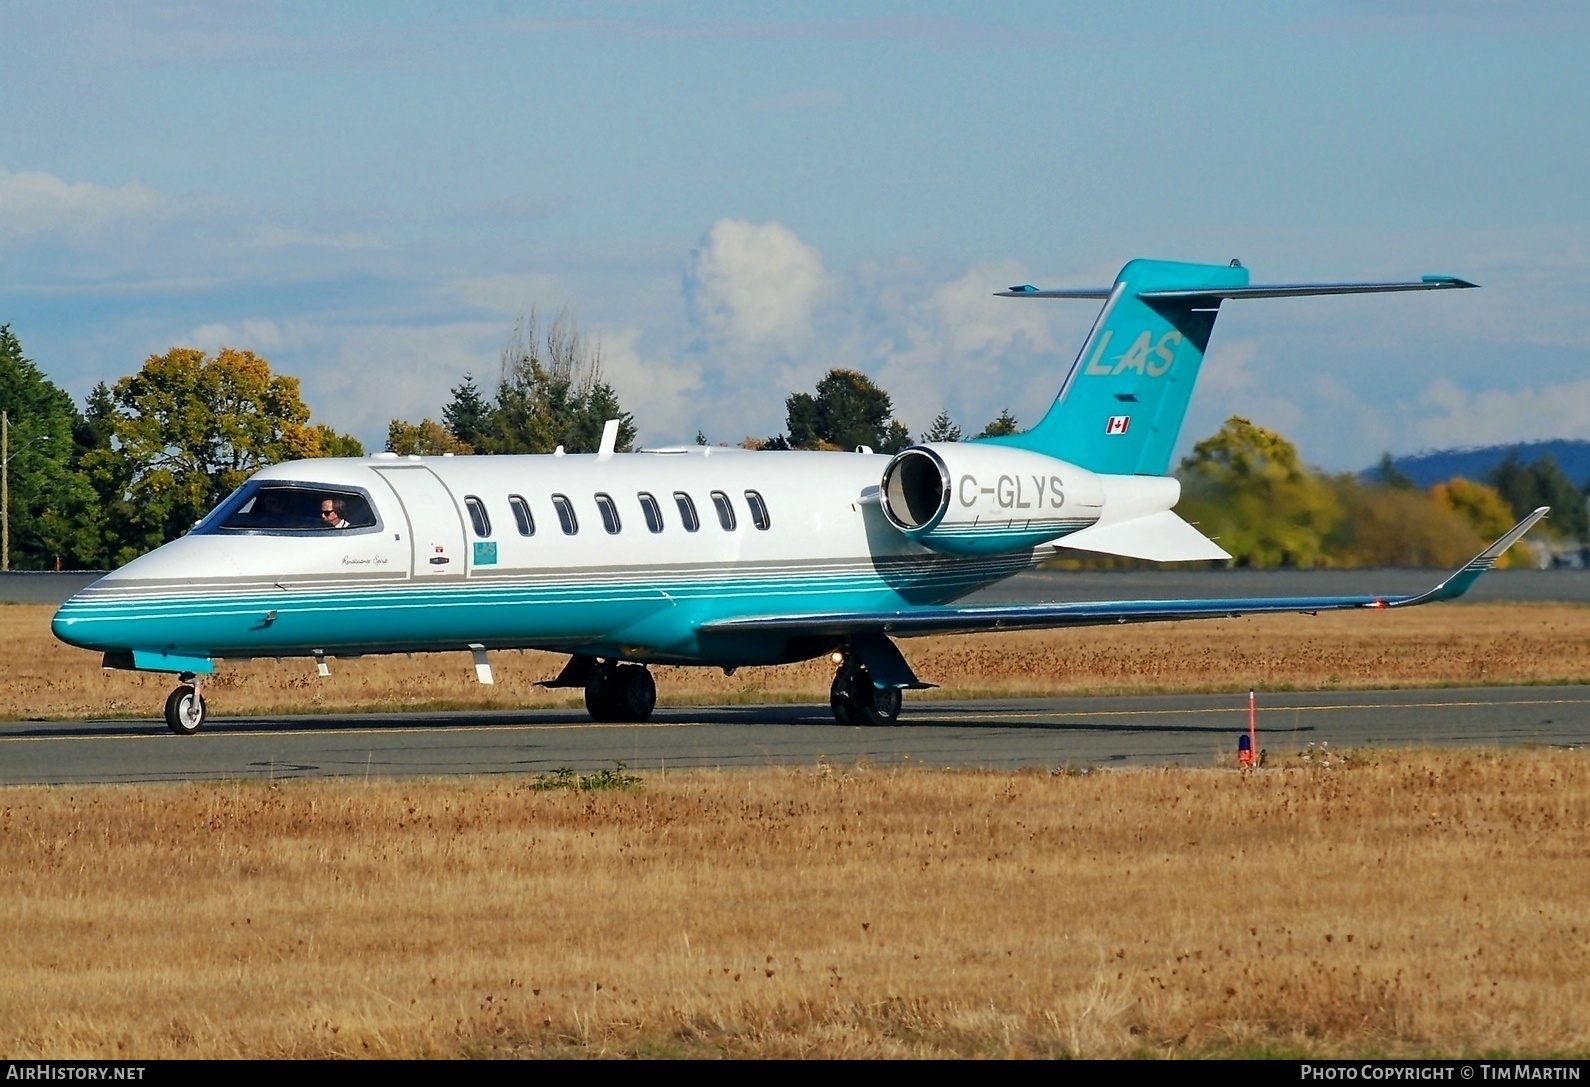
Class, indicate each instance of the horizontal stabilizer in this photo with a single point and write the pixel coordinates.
(1261, 290)
(1159, 537)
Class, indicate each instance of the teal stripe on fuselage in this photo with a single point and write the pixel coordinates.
(639, 613)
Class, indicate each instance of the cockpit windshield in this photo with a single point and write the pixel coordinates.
(269, 506)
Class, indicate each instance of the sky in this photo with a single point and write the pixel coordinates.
(732, 199)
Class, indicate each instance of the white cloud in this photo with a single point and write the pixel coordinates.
(1494, 416)
(663, 394)
(511, 295)
(980, 324)
(369, 375)
(1228, 385)
(251, 334)
(954, 346)
(755, 285)
(281, 237)
(38, 205)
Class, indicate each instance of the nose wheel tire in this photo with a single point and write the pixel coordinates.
(625, 693)
(185, 711)
(856, 701)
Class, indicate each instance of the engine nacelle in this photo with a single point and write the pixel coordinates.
(975, 499)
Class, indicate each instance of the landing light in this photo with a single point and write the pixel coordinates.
(837, 657)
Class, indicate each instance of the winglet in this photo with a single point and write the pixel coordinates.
(1458, 584)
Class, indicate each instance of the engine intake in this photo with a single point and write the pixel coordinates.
(972, 499)
(916, 489)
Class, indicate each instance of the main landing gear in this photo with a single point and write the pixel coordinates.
(856, 701)
(613, 691)
(620, 692)
(185, 709)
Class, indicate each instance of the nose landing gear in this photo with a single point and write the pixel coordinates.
(624, 692)
(856, 701)
(185, 709)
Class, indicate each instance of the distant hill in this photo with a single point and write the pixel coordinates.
(1572, 456)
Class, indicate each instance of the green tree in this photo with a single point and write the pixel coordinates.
(465, 415)
(846, 410)
(551, 393)
(943, 429)
(47, 498)
(1541, 483)
(186, 430)
(1004, 424)
(1247, 487)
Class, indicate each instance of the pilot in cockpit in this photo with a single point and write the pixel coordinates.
(331, 513)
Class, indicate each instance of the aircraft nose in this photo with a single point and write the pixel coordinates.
(70, 622)
(62, 622)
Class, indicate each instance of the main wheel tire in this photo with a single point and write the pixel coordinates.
(185, 711)
(633, 693)
(599, 700)
(877, 706)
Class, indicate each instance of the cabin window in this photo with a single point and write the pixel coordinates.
(653, 512)
(759, 516)
(609, 512)
(478, 516)
(687, 511)
(566, 518)
(725, 510)
(268, 506)
(521, 515)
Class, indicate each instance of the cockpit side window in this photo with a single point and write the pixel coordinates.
(282, 507)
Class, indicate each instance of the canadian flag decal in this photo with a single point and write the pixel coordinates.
(1118, 424)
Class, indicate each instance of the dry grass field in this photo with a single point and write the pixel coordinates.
(1458, 644)
(1375, 904)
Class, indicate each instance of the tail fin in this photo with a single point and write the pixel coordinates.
(1122, 405)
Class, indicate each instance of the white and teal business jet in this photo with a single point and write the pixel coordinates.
(709, 556)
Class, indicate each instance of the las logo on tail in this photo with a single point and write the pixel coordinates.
(710, 556)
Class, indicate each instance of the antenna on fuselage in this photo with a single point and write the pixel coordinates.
(609, 439)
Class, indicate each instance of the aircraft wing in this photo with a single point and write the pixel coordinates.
(967, 620)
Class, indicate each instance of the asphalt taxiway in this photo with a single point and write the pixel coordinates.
(1186, 730)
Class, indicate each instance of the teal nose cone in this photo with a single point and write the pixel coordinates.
(68, 627)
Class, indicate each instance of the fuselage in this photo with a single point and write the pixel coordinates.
(622, 556)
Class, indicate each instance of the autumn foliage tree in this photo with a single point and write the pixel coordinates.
(186, 430)
(1247, 487)
(425, 438)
